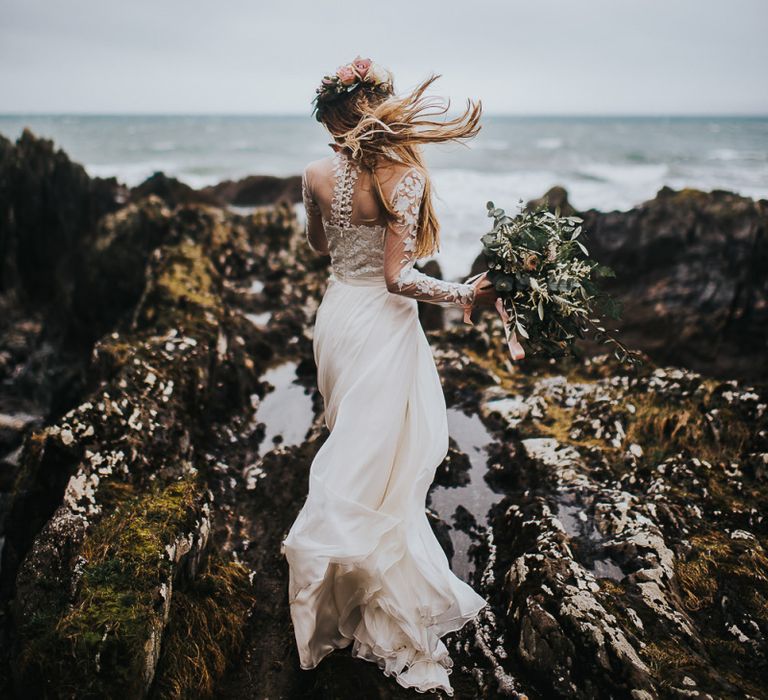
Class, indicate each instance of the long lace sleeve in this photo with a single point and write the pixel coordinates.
(314, 231)
(399, 247)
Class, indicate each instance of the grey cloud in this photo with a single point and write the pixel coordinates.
(542, 56)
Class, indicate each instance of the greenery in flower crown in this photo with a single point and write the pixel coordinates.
(547, 283)
(350, 77)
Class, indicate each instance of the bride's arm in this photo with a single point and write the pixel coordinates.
(400, 244)
(315, 232)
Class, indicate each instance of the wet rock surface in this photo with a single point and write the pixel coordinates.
(614, 519)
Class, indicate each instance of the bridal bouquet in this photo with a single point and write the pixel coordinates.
(547, 284)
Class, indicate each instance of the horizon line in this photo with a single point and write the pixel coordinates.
(525, 115)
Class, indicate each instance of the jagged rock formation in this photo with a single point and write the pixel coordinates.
(632, 541)
(256, 190)
(614, 519)
(134, 516)
(251, 191)
(170, 190)
(43, 192)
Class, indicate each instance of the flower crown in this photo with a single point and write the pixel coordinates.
(348, 78)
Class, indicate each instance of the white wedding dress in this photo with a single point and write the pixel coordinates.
(365, 566)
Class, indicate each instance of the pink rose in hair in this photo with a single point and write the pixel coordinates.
(328, 81)
(346, 75)
(361, 66)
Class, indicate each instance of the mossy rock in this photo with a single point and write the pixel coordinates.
(104, 638)
(93, 593)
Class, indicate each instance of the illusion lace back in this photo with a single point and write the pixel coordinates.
(356, 250)
(365, 568)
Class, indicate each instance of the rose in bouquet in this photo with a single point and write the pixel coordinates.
(547, 285)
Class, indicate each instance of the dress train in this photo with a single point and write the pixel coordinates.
(365, 566)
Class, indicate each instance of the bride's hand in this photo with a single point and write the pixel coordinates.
(485, 292)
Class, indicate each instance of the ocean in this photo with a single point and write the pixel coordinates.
(607, 163)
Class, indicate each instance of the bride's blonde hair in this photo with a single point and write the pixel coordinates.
(375, 127)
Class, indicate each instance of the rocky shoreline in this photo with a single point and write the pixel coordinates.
(159, 413)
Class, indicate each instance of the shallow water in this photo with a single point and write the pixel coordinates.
(259, 320)
(286, 411)
(586, 540)
(476, 496)
(606, 568)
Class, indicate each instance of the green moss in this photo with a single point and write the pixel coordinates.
(206, 629)
(187, 274)
(99, 642)
(717, 561)
(133, 538)
(717, 568)
(692, 195)
(184, 288)
(663, 656)
(683, 425)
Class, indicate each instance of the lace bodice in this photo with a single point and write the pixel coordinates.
(356, 250)
(383, 250)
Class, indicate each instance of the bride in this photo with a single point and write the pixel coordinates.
(365, 567)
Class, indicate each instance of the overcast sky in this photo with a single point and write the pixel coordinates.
(518, 56)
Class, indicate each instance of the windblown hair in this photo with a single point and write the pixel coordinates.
(377, 129)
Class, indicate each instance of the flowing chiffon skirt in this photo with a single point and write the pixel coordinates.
(365, 566)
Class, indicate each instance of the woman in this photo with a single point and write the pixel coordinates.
(365, 566)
